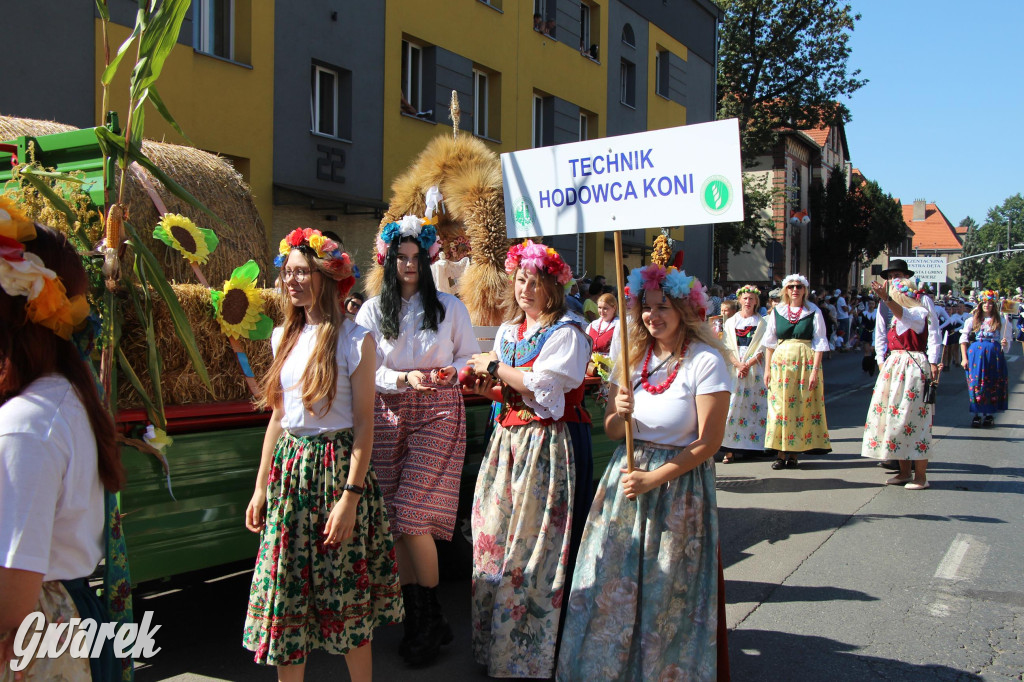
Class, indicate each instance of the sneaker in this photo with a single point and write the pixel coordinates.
(989, 420)
(976, 422)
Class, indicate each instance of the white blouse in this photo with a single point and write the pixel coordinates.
(818, 343)
(670, 418)
(1005, 331)
(561, 365)
(600, 326)
(416, 348)
(297, 419)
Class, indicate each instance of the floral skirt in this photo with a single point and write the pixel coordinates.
(57, 606)
(899, 423)
(796, 416)
(522, 517)
(419, 445)
(644, 601)
(986, 377)
(748, 412)
(306, 595)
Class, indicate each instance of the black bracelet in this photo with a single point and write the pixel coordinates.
(358, 490)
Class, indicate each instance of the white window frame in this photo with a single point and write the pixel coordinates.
(481, 102)
(413, 75)
(538, 121)
(203, 24)
(585, 13)
(316, 96)
(584, 127)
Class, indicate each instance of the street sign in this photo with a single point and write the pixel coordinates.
(931, 269)
(660, 178)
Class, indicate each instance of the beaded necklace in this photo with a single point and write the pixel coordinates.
(793, 319)
(662, 387)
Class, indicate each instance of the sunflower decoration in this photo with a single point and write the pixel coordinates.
(191, 241)
(239, 307)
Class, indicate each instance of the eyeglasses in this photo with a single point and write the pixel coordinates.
(794, 286)
(353, 303)
(300, 275)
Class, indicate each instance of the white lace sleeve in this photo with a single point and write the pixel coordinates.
(560, 367)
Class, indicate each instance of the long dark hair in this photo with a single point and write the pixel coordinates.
(391, 291)
(29, 351)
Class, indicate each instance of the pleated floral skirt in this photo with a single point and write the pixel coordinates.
(987, 388)
(899, 423)
(796, 415)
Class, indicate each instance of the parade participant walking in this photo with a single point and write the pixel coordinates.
(58, 457)
(423, 338)
(988, 333)
(325, 574)
(537, 460)
(899, 421)
(644, 601)
(602, 330)
(794, 342)
(748, 408)
(951, 352)
(867, 337)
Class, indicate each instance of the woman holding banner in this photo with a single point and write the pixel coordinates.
(647, 566)
(988, 332)
(794, 342)
(523, 506)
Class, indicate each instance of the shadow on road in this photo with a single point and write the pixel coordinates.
(738, 591)
(766, 655)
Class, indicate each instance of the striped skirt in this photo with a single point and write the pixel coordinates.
(419, 444)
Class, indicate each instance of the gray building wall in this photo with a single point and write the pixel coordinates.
(622, 119)
(691, 22)
(343, 168)
(49, 62)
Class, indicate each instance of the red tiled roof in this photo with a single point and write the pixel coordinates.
(961, 230)
(819, 135)
(934, 232)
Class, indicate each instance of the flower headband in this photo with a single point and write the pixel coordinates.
(673, 282)
(537, 258)
(748, 289)
(423, 230)
(337, 262)
(905, 287)
(799, 279)
(24, 274)
(988, 295)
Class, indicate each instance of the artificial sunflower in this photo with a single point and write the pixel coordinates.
(239, 307)
(14, 224)
(193, 242)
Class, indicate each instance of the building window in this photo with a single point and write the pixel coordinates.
(412, 75)
(584, 27)
(544, 17)
(481, 110)
(538, 121)
(330, 103)
(628, 37)
(214, 27)
(584, 127)
(661, 79)
(627, 83)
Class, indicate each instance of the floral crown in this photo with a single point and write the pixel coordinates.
(337, 262)
(537, 258)
(423, 230)
(748, 289)
(799, 279)
(988, 295)
(905, 287)
(674, 282)
(24, 274)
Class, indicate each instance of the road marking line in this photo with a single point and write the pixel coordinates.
(950, 563)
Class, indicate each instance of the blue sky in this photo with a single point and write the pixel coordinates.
(942, 117)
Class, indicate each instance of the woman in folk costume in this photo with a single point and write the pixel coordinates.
(983, 341)
(60, 467)
(523, 506)
(326, 574)
(748, 409)
(644, 601)
(899, 422)
(419, 443)
(794, 341)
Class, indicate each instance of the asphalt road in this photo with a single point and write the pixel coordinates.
(830, 575)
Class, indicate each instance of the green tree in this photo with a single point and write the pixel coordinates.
(1003, 229)
(781, 64)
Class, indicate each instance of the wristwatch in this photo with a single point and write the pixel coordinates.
(492, 368)
(358, 490)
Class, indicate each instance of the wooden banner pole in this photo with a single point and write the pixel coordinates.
(624, 344)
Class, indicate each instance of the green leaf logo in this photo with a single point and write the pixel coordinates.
(716, 194)
(522, 215)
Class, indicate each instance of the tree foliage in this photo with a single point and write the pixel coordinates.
(852, 225)
(1005, 271)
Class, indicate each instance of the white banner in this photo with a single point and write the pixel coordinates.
(662, 178)
(932, 269)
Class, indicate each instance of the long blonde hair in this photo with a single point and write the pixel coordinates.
(979, 316)
(554, 309)
(691, 327)
(320, 378)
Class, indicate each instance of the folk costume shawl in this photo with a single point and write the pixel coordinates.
(729, 338)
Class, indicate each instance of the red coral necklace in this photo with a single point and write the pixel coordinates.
(793, 319)
(662, 387)
(522, 330)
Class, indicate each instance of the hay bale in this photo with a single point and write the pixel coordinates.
(468, 174)
(181, 384)
(12, 127)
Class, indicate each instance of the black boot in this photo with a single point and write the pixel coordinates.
(412, 595)
(433, 631)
